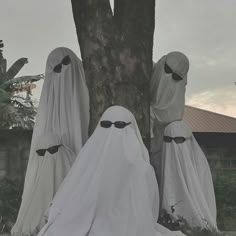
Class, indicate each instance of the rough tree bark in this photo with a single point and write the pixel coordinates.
(117, 55)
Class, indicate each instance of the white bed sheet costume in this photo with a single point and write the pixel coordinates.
(111, 190)
(62, 119)
(167, 99)
(187, 185)
(184, 177)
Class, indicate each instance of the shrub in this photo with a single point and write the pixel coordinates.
(225, 190)
(10, 199)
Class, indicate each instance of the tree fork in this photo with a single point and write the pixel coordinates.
(117, 55)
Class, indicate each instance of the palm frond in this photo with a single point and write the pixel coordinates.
(21, 79)
(16, 111)
(15, 68)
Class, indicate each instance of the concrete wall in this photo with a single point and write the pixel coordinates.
(220, 150)
(14, 153)
(221, 158)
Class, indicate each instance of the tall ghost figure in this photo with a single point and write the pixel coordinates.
(184, 177)
(60, 131)
(167, 90)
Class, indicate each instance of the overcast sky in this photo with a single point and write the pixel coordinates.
(205, 30)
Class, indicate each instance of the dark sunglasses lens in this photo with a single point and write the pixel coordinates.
(120, 124)
(41, 152)
(167, 139)
(57, 68)
(167, 69)
(66, 60)
(179, 139)
(53, 149)
(176, 77)
(106, 124)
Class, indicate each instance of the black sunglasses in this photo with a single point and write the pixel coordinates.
(177, 140)
(65, 61)
(117, 124)
(51, 150)
(168, 70)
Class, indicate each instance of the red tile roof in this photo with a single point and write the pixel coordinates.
(206, 121)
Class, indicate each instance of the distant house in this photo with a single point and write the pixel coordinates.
(216, 134)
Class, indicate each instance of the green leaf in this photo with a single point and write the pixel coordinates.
(15, 68)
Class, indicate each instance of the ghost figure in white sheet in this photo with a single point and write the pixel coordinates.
(187, 189)
(111, 190)
(54, 160)
(167, 88)
(64, 111)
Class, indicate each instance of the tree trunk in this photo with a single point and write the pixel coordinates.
(116, 52)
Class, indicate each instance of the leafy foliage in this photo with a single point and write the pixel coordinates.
(10, 198)
(225, 190)
(16, 111)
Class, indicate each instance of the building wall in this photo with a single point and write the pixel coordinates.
(220, 150)
(221, 158)
(14, 153)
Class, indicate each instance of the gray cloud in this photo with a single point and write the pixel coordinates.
(203, 29)
(33, 28)
(219, 100)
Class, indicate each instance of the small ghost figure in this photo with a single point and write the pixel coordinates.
(187, 188)
(52, 161)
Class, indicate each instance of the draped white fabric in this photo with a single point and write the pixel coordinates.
(167, 94)
(50, 171)
(111, 189)
(187, 187)
(167, 100)
(64, 111)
